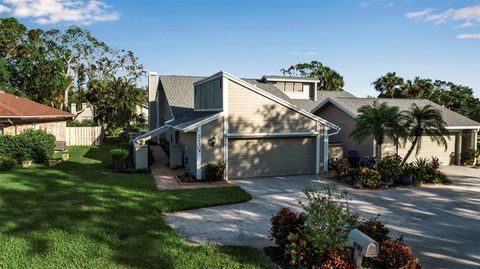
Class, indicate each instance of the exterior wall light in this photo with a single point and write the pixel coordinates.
(212, 141)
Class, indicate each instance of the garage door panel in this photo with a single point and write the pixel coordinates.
(270, 157)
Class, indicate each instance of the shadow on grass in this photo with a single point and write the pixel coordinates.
(79, 214)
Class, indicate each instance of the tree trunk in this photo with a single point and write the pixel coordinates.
(414, 143)
(379, 151)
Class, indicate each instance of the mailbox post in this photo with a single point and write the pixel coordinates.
(363, 245)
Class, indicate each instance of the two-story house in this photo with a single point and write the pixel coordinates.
(249, 124)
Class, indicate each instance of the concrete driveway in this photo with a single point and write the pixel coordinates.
(441, 223)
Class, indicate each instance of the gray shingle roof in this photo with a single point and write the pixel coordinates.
(191, 117)
(180, 91)
(450, 117)
(310, 105)
(290, 77)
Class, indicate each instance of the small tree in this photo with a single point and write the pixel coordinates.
(380, 121)
(422, 121)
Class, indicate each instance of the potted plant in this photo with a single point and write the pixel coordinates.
(407, 175)
(25, 158)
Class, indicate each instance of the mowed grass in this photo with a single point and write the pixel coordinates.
(81, 215)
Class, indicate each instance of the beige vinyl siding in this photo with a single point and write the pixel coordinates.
(209, 95)
(429, 149)
(212, 154)
(347, 123)
(190, 153)
(271, 157)
(250, 112)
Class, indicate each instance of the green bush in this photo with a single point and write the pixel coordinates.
(214, 172)
(119, 157)
(393, 255)
(469, 156)
(37, 145)
(85, 123)
(390, 170)
(327, 220)
(7, 163)
(337, 258)
(369, 178)
(284, 223)
(424, 171)
(342, 168)
(375, 229)
(300, 251)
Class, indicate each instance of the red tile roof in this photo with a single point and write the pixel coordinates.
(15, 107)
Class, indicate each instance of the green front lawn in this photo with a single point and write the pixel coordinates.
(81, 215)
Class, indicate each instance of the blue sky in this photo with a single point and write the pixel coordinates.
(360, 39)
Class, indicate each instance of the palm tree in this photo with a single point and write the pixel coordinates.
(380, 121)
(389, 85)
(426, 121)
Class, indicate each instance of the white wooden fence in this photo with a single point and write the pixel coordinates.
(84, 136)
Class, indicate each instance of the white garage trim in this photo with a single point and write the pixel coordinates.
(325, 150)
(225, 124)
(266, 135)
(199, 152)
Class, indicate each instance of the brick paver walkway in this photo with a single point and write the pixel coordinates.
(166, 180)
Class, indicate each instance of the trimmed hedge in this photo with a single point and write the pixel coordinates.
(7, 163)
(36, 145)
(119, 156)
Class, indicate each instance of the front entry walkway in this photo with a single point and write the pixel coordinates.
(165, 178)
(441, 223)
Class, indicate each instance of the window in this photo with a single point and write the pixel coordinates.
(306, 87)
(1, 129)
(289, 86)
(297, 87)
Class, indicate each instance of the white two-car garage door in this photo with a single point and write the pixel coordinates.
(270, 157)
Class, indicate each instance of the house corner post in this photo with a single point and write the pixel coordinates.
(199, 153)
(225, 123)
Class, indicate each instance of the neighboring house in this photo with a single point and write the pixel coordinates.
(87, 112)
(342, 111)
(18, 114)
(251, 125)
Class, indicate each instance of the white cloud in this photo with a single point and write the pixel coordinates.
(467, 16)
(418, 14)
(4, 9)
(468, 36)
(305, 53)
(55, 11)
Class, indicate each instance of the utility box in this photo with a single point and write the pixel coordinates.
(141, 156)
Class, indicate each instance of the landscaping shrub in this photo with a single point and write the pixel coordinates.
(390, 170)
(300, 251)
(36, 145)
(284, 223)
(337, 258)
(368, 178)
(7, 163)
(375, 229)
(214, 172)
(119, 156)
(40, 143)
(85, 123)
(426, 171)
(435, 163)
(342, 167)
(469, 156)
(327, 221)
(393, 255)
